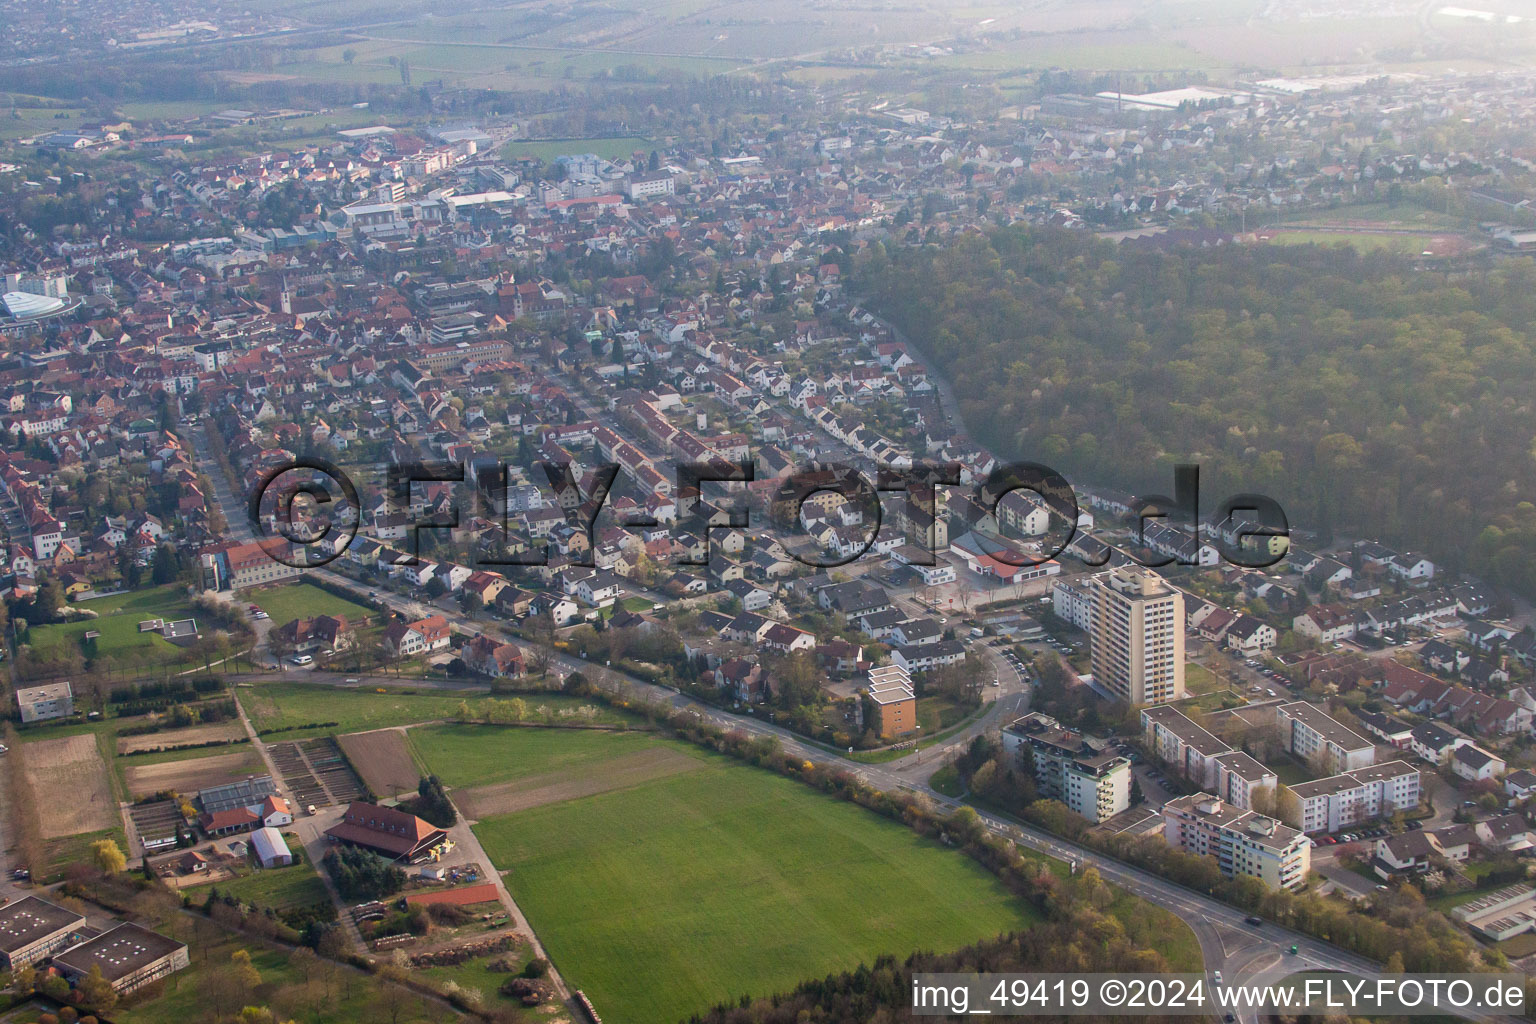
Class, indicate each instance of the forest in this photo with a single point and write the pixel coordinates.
(1371, 397)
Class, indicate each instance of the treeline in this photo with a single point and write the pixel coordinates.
(360, 875)
(175, 689)
(1079, 939)
(1366, 395)
(431, 803)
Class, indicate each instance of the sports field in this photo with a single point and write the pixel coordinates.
(474, 755)
(664, 898)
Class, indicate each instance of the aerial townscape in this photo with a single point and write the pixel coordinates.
(576, 512)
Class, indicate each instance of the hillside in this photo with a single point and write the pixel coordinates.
(1370, 398)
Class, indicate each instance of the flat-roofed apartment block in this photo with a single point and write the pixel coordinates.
(1204, 758)
(31, 929)
(1073, 599)
(1240, 778)
(1339, 801)
(1243, 842)
(1308, 732)
(890, 687)
(1138, 636)
(40, 703)
(1091, 781)
(130, 957)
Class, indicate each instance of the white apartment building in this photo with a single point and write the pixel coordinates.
(1072, 599)
(1243, 843)
(1309, 733)
(40, 703)
(1205, 759)
(1092, 782)
(1138, 636)
(1240, 777)
(1187, 748)
(1339, 801)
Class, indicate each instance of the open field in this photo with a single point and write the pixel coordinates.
(611, 148)
(296, 885)
(71, 765)
(284, 705)
(383, 759)
(188, 737)
(622, 772)
(304, 601)
(666, 898)
(188, 776)
(117, 619)
(476, 755)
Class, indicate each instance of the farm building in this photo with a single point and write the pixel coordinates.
(129, 956)
(389, 832)
(245, 793)
(271, 850)
(40, 703)
(31, 929)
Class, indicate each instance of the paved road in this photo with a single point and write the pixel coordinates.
(1226, 943)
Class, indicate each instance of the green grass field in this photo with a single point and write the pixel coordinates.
(476, 974)
(280, 888)
(611, 148)
(1405, 216)
(1401, 243)
(1198, 679)
(305, 601)
(665, 898)
(947, 781)
(280, 705)
(477, 755)
(118, 622)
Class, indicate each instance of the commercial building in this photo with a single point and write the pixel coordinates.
(1500, 915)
(1091, 781)
(1138, 636)
(1243, 842)
(890, 689)
(31, 929)
(1339, 801)
(40, 703)
(129, 956)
